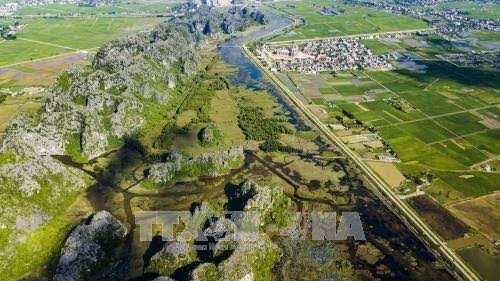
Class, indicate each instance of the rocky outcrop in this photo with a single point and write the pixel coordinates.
(242, 250)
(181, 252)
(270, 202)
(205, 271)
(90, 247)
(94, 139)
(214, 22)
(210, 136)
(207, 135)
(212, 164)
(256, 15)
(250, 260)
(171, 257)
(28, 175)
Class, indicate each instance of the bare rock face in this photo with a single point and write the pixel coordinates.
(29, 175)
(89, 247)
(30, 135)
(94, 137)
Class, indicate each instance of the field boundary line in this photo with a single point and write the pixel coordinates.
(471, 199)
(438, 116)
(46, 43)
(426, 115)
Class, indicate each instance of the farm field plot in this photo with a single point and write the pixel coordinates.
(48, 37)
(481, 213)
(388, 172)
(461, 150)
(350, 20)
(352, 86)
(20, 51)
(68, 9)
(492, 112)
(84, 33)
(487, 141)
(38, 73)
(380, 47)
(453, 186)
(487, 36)
(427, 131)
(410, 149)
(445, 224)
(462, 123)
(71, 9)
(430, 103)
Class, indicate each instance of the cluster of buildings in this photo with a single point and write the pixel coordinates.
(399, 104)
(324, 55)
(213, 3)
(331, 11)
(472, 58)
(220, 3)
(447, 21)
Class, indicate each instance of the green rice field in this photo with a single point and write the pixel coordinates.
(350, 20)
(42, 37)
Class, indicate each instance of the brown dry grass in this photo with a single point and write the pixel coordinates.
(481, 213)
(388, 172)
(39, 73)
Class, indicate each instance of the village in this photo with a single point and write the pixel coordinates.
(448, 21)
(323, 55)
(220, 3)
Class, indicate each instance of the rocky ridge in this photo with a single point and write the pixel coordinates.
(90, 110)
(212, 164)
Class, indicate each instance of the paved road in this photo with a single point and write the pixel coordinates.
(352, 36)
(453, 260)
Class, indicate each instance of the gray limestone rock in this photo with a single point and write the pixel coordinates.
(88, 246)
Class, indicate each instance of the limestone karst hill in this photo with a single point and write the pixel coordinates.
(92, 109)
